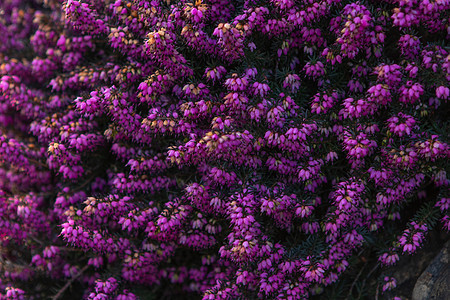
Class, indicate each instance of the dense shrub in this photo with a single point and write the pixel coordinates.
(218, 149)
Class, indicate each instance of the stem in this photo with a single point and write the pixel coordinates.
(70, 249)
(68, 283)
(367, 277)
(39, 163)
(354, 281)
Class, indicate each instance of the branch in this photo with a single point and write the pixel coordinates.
(39, 163)
(354, 281)
(367, 277)
(68, 283)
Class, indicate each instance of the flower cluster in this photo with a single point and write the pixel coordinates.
(217, 149)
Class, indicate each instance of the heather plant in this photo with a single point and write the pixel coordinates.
(218, 149)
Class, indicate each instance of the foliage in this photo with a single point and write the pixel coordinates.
(218, 149)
